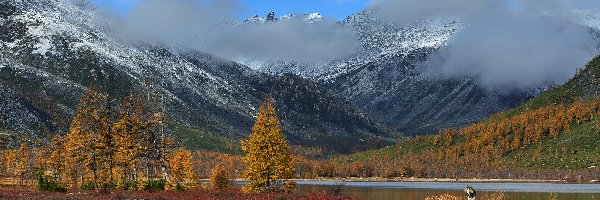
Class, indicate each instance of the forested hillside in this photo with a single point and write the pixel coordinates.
(555, 135)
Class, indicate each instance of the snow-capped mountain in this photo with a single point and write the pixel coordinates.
(385, 81)
(52, 50)
(589, 18)
(309, 18)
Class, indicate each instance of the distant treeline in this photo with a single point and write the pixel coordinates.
(108, 144)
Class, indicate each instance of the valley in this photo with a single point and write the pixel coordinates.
(90, 103)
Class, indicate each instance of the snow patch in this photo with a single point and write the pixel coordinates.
(43, 47)
(13, 44)
(589, 17)
(256, 19)
(313, 17)
(288, 16)
(251, 63)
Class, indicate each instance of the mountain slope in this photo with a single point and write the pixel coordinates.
(392, 86)
(52, 50)
(386, 81)
(585, 85)
(552, 136)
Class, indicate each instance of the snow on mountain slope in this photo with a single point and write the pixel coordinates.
(309, 18)
(384, 79)
(383, 39)
(589, 18)
(52, 50)
(387, 79)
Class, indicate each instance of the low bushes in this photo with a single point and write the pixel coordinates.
(219, 179)
(46, 183)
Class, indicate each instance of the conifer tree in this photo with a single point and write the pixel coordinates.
(53, 157)
(129, 139)
(83, 139)
(267, 152)
(181, 166)
(23, 162)
(10, 161)
(219, 179)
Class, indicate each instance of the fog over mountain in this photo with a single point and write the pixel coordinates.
(516, 44)
(415, 67)
(210, 26)
(506, 44)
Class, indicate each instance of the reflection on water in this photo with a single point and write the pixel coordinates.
(412, 191)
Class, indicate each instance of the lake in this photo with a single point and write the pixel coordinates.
(421, 190)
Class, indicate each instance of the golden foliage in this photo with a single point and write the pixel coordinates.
(54, 157)
(267, 153)
(23, 165)
(10, 162)
(478, 150)
(83, 138)
(181, 166)
(131, 141)
(109, 144)
(219, 178)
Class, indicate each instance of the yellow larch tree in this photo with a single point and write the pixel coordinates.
(55, 159)
(83, 138)
(23, 162)
(181, 166)
(3, 162)
(129, 139)
(219, 178)
(267, 152)
(10, 160)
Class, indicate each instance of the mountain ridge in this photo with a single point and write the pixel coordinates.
(48, 62)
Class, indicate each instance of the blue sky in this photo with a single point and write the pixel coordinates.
(339, 9)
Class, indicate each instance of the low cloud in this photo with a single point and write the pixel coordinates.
(515, 52)
(210, 26)
(515, 44)
(504, 43)
(288, 39)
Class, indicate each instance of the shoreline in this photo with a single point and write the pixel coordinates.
(447, 180)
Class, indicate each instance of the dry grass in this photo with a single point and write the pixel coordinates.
(495, 196)
(489, 196)
(444, 197)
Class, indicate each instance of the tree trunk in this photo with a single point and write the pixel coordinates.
(163, 166)
(94, 168)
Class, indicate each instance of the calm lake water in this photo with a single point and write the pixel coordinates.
(421, 190)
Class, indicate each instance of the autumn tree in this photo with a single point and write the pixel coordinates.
(23, 162)
(181, 166)
(267, 153)
(10, 160)
(54, 158)
(130, 137)
(219, 178)
(83, 138)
